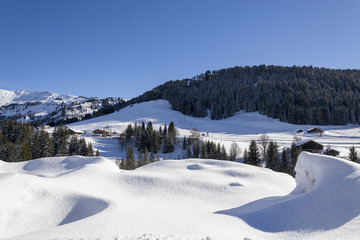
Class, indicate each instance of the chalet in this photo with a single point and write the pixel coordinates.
(331, 152)
(310, 146)
(101, 132)
(74, 131)
(315, 130)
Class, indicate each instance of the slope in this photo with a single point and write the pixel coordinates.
(241, 128)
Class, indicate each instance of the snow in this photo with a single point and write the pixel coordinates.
(240, 128)
(90, 198)
(19, 97)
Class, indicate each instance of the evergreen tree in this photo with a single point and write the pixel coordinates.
(272, 157)
(284, 162)
(90, 149)
(294, 153)
(253, 154)
(223, 153)
(146, 155)
(246, 156)
(130, 159)
(353, 155)
(203, 154)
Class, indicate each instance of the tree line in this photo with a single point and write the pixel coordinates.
(22, 141)
(298, 95)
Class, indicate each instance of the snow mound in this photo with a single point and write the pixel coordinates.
(326, 197)
(89, 197)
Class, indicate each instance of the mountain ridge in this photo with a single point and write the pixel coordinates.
(51, 108)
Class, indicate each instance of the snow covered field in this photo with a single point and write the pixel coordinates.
(241, 128)
(90, 198)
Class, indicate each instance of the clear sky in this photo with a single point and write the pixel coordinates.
(124, 48)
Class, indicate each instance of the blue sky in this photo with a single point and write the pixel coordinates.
(124, 48)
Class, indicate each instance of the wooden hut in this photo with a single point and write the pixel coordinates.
(331, 152)
(310, 146)
(315, 130)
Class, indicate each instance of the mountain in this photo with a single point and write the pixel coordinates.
(51, 108)
(299, 95)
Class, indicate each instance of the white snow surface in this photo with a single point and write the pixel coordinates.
(240, 128)
(90, 198)
(19, 97)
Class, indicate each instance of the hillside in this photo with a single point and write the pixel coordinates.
(90, 198)
(241, 128)
(299, 95)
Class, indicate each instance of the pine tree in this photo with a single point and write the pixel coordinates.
(223, 153)
(353, 155)
(253, 154)
(130, 159)
(140, 159)
(146, 155)
(97, 152)
(90, 150)
(246, 156)
(284, 162)
(26, 152)
(203, 154)
(294, 153)
(272, 157)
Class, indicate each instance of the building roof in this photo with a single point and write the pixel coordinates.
(306, 141)
(74, 130)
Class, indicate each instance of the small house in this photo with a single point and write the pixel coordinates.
(299, 131)
(315, 130)
(310, 146)
(101, 132)
(331, 152)
(74, 131)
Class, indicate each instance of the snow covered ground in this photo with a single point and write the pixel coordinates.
(90, 198)
(241, 128)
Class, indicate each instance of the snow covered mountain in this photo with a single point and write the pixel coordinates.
(47, 107)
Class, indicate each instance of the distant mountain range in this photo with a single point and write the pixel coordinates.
(297, 95)
(52, 108)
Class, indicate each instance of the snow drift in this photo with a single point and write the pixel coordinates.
(89, 197)
(326, 197)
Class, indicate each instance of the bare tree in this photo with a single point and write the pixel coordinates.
(234, 151)
(263, 141)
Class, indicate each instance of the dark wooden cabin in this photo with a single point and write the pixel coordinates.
(315, 130)
(331, 152)
(310, 146)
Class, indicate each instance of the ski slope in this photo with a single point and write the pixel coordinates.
(90, 198)
(240, 128)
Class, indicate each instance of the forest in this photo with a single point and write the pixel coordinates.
(298, 95)
(23, 141)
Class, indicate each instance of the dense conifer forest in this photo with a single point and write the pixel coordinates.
(299, 95)
(22, 141)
